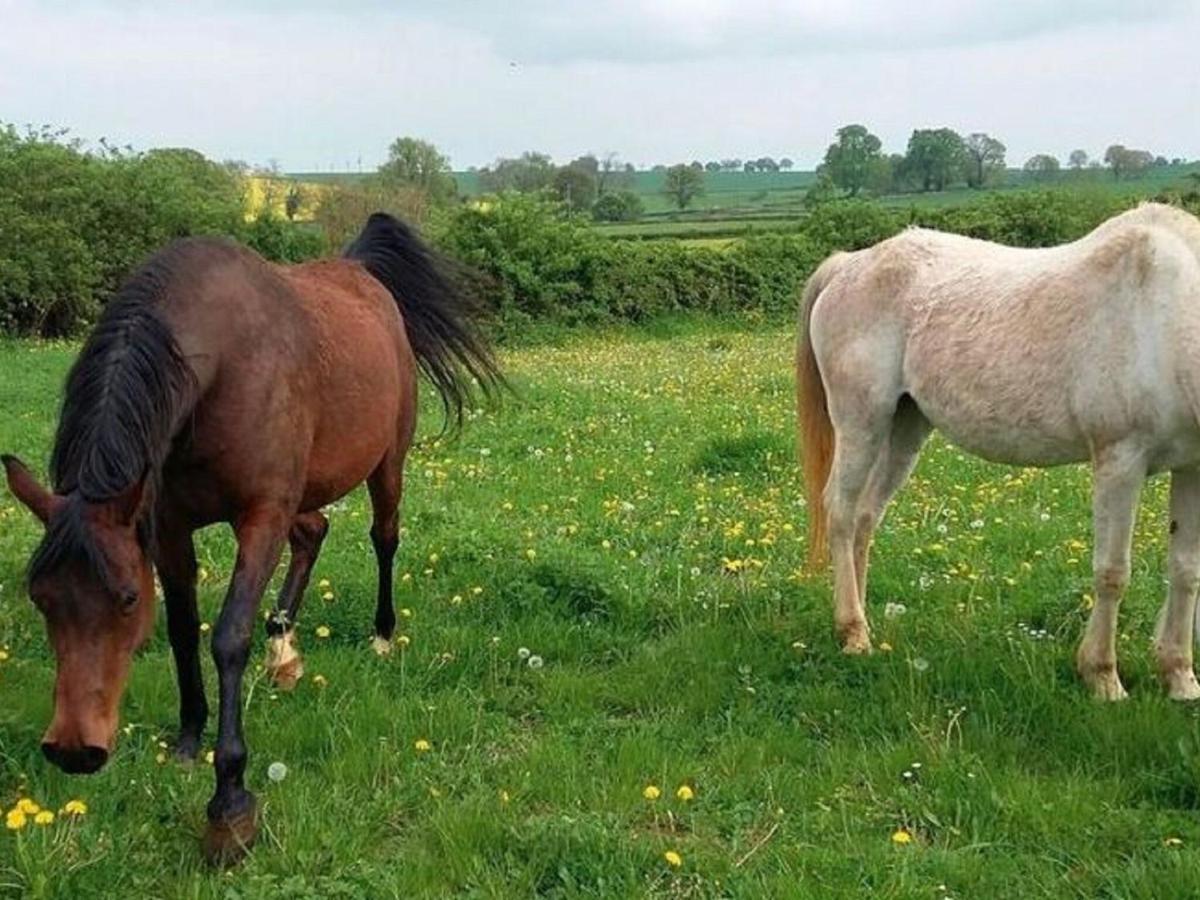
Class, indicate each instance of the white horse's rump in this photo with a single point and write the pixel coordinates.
(1087, 351)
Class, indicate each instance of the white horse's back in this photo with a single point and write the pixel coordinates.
(1031, 357)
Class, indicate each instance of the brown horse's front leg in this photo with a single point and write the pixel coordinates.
(231, 811)
(175, 559)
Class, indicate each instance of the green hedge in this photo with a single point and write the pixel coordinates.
(74, 223)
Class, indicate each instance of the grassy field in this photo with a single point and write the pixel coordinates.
(633, 521)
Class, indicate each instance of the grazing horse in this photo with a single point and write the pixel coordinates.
(1089, 351)
(217, 387)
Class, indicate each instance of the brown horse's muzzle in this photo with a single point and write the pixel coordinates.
(81, 733)
(81, 760)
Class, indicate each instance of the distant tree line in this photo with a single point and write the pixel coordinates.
(938, 158)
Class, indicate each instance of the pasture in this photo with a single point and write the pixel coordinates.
(613, 677)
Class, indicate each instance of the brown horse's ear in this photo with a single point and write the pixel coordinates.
(125, 505)
(41, 502)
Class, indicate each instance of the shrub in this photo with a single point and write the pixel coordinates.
(536, 258)
(618, 206)
(344, 208)
(1028, 218)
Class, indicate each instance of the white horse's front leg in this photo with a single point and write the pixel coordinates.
(1173, 636)
(1118, 482)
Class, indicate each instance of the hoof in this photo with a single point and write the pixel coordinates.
(1105, 685)
(227, 841)
(856, 641)
(187, 748)
(284, 663)
(381, 645)
(1181, 685)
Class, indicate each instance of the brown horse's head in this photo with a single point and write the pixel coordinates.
(93, 583)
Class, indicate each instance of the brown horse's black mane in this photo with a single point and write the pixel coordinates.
(438, 313)
(123, 398)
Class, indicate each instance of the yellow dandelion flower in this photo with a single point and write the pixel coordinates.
(79, 808)
(674, 860)
(406, 613)
(205, 627)
(320, 680)
(45, 817)
(1172, 842)
(209, 756)
(885, 646)
(651, 792)
(422, 746)
(15, 819)
(531, 553)
(323, 631)
(327, 596)
(403, 640)
(28, 807)
(3, 656)
(324, 584)
(504, 797)
(685, 793)
(901, 836)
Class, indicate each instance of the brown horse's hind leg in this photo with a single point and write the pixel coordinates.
(385, 485)
(284, 663)
(894, 464)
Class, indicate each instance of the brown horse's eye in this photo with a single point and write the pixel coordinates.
(128, 601)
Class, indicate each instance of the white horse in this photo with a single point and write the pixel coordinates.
(1089, 351)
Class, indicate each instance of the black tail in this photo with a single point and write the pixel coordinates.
(438, 316)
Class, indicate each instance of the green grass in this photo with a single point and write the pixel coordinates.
(635, 520)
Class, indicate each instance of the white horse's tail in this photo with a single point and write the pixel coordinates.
(814, 430)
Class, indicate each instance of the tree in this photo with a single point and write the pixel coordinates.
(1042, 167)
(1078, 159)
(849, 159)
(786, 164)
(613, 175)
(526, 173)
(575, 185)
(1124, 161)
(419, 164)
(683, 184)
(985, 157)
(884, 174)
(935, 156)
(712, 166)
(766, 164)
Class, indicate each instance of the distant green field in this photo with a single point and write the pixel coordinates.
(735, 204)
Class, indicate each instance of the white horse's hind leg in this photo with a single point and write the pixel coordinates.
(856, 450)
(1118, 482)
(1173, 637)
(892, 467)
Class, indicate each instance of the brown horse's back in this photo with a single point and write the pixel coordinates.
(305, 373)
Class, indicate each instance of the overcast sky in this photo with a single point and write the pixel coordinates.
(319, 86)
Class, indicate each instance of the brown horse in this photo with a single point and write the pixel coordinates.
(218, 387)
